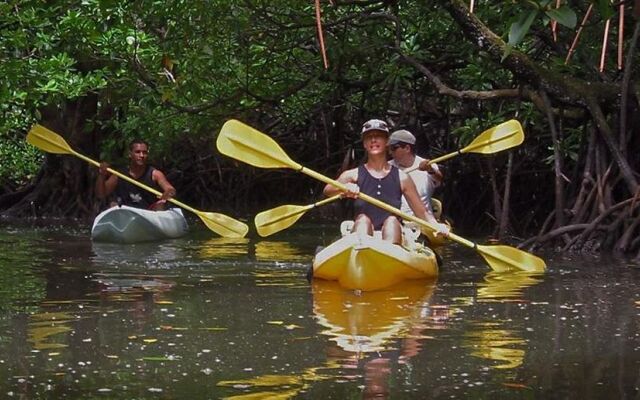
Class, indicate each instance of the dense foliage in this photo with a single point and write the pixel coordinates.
(103, 71)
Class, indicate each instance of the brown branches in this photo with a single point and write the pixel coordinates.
(607, 135)
(597, 217)
(443, 89)
(565, 88)
(626, 85)
(557, 162)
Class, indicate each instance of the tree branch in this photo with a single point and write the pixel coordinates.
(563, 87)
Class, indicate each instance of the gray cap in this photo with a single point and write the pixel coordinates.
(402, 136)
(375, 125)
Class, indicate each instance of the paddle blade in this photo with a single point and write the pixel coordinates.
(47, 140)
(246, 144)
(279, 218)
(501, 137)
(506, 258)
(224, 225)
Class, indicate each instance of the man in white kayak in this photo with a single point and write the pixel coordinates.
(379, 179)
(128, 194)
(426, 176)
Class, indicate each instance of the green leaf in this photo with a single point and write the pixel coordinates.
(520, 28)
(604, 8)
(564, 15)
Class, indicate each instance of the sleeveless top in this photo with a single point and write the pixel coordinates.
(129, 194)
(387, 189)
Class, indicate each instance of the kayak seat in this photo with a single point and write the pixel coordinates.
(410, 233)
(346, 227)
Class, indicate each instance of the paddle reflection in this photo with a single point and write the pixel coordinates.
(500, 285)
(221, 247)
(282, 252)
(490, 340)
(284, 255)
(44, 330)
(279, 386)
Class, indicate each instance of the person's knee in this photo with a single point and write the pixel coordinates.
(392, 230)
(392, 222)
(363, 224)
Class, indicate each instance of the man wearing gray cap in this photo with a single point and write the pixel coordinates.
(426, 176)
(383, 181)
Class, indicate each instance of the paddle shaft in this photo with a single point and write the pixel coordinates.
(304, 209)
(383, 205)
(476, 144)
(49, 141)
(253, 147)
(468, 149)
(126, 178)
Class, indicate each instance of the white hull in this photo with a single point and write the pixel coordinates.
(132, 225)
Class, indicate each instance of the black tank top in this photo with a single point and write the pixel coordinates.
(387, 189)
(129, 194)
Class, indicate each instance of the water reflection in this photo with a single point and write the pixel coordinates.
(44, 328)
(224, 248)
(204, 317)
(286, 258)
(280, 387)
(370, 334)
(281, 252)
(133, 285)
(148, 253)
(369, 321)
(499, 285)
(489, 339)
(22, 285)
(374, 333)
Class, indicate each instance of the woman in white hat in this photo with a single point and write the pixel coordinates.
(378, 179)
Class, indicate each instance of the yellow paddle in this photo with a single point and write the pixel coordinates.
(276, 219)
(51, 142)
(501, 137)
(253, 147)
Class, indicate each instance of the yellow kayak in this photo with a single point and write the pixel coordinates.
(369, 263)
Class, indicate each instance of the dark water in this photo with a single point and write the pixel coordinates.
(205, 317)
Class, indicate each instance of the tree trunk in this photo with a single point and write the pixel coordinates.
(64, 186)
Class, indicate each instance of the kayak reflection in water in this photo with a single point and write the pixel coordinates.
(375, 335)
(384, 182)
(125, 193)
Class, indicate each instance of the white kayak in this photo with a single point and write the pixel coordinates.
(126, 224)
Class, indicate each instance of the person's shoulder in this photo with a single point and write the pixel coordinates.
(350, 172)
(418, 160)
(155, 171)
(353, 171)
